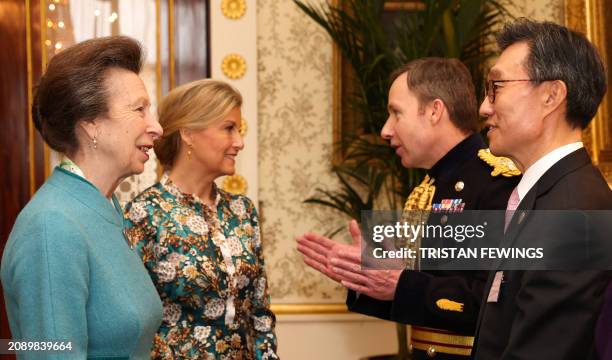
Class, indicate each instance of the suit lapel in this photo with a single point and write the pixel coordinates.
(566, 165)
(560, 169)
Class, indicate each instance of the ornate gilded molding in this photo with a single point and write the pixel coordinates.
(233, 9)
(235, 184)
(244, 127)
(591, 17)
(233, 66)
(301, 309)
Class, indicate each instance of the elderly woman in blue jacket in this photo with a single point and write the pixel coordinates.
(68, 274)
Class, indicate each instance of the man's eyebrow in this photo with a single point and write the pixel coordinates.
(494, 73)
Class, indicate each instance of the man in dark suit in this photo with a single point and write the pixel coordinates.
(432, 124)
(542, 92)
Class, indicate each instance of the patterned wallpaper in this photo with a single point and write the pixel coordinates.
(549, 10)
(295, 134)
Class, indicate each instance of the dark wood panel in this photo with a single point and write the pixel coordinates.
(14, 152)
(17, 184)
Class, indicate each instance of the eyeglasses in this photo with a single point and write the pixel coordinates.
(491, 87)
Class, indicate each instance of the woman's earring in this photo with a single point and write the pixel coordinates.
(95, 143)
(189, 152)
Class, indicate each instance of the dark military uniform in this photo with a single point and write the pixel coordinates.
(443, 306)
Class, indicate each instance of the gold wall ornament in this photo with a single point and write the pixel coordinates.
(233, 66)
(233, 9)
(235, 184)
(243, 127)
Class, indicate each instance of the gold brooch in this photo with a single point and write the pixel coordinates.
(233, 9)
(501, 165)
(449, 305)
(233, 66)
(243, 127)
(235, 184)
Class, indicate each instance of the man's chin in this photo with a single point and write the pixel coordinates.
(406, 163)
(497, 150)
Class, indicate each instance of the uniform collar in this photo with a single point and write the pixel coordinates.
(457, 156)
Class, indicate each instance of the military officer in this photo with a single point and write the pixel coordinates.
(432, 124)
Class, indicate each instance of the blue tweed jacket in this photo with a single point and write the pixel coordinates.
(68, 274)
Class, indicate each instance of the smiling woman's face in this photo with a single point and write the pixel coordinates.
(126, 133)
(214, 148)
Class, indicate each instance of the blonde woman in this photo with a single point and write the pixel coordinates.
(201, 244)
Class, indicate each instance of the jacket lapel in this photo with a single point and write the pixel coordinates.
(566, 165)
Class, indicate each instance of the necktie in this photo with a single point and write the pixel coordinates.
(513, 203)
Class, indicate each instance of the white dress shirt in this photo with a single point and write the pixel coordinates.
(535, 171)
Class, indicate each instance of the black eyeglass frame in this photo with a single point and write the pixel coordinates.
(491, 88)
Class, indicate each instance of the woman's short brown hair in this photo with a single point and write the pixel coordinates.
(72, 89)
(193, 106)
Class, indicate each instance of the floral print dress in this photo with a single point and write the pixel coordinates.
(208, 267)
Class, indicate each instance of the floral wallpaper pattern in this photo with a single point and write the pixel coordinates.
(295, 132)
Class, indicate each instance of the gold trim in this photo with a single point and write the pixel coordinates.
(449, 305)
(171, 42)
(233, 66)
(589, 33)
(43, 54)
(29, 86)
(233, 9)
(302, 309)
(158, 64)
(440, 336)
(441, 349)
(501, 165)
(158, 69)
(337, 155)
(587, 16)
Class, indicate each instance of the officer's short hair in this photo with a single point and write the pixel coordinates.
(558, 53)
(445, 79)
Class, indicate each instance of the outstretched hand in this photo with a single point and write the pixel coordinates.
(347, 266)
(318, 250)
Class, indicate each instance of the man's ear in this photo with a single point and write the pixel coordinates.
(555, 94)
(435, 110)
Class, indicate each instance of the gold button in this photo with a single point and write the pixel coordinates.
(459, 185)
(431, 352)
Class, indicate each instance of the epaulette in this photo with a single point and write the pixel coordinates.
(501, 165)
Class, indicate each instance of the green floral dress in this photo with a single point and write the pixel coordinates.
(208, 267)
